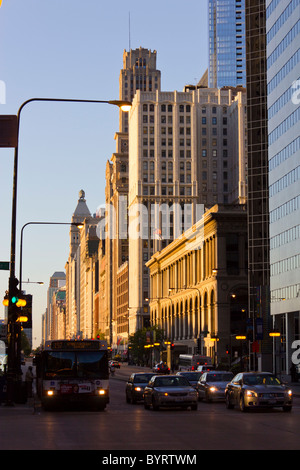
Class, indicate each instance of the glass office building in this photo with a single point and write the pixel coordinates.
(283, 77)
(227, 57)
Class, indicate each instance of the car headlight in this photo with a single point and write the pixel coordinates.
(251, 393)
(213, 389)
(137, 389)
(289, 393)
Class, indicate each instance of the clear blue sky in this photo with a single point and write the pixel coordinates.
(74, 49)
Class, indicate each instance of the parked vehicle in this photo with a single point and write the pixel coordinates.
(114, 364)
(135, 386)
(211, 385)
(250, 390)
(171, 390)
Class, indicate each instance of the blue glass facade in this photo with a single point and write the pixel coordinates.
(227, 56)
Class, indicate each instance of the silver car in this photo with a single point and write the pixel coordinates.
(257, 389)
(211, 385)
(169, 391)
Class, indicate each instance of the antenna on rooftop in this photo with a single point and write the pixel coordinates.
(129, 33)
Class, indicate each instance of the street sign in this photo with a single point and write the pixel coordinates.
(4, 265)
(3, 331)
(8, 131)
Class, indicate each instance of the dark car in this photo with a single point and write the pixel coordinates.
(169, 391)
(161, 368)
(250, 390)
(192, 376)
(114, 364)
(135, 386)
(211, 385)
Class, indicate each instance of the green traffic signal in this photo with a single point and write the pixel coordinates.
(14, 299)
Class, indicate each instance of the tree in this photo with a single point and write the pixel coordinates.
(141, 338)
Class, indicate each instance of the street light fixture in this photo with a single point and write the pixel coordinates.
(75, 224)
(275, 333)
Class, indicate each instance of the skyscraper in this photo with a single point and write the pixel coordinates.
(283, 62)
(227, 55)
(139, 72)
(183, 153)
(258, 190)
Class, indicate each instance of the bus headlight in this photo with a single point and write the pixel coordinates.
(101, 392)
(50, 393)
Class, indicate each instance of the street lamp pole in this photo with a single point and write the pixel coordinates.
(14, 329)
(21, 240)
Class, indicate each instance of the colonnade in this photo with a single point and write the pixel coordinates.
(186, 316)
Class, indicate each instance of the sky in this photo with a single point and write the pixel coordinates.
(74, 49)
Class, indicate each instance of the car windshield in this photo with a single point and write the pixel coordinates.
(261, 379)
(171, 382)
(142, 378)
(219, 377)
(69, 364)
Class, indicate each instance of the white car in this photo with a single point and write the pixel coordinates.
(205, 368)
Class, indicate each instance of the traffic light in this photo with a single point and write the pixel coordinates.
(5, 301)
(172, 346)
(26, 311)
(17, 301)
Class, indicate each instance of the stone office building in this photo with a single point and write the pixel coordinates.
(198, 285)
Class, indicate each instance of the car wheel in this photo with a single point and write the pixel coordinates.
(194, 407)
(229, 405)
(242, 404)
(287, 408)
(154, 405)
(133, 400)
(127, 399)
(146, 406)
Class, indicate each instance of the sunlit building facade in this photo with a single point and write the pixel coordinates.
(183, 158)
(227, 56)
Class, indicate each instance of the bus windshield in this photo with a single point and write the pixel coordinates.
(76, 364)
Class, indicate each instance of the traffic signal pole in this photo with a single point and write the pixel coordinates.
(13, 329)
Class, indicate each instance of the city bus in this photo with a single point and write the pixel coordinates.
(71, 372)
(192, 361)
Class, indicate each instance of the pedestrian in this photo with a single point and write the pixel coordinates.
(29, 381)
